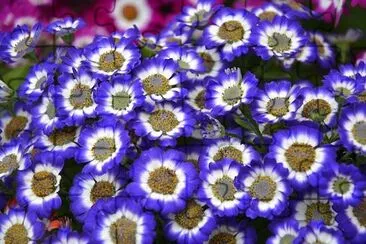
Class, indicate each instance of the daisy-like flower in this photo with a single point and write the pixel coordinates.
(284, 231)
(165, 123)
(102, 146)
(307, 54)
(325, 53)
(342, 184)
(352, 71)
(160, 80)
(343, 86)
(218, 190)
(120, 97)
(121, 220)
(37, 187)
(266, 189)
(318, 105)
(278, 101)
(163, 180)
(75, 96)
(88, 188)
(19, 42)
(230, 29)
(73, 59)
(317, 232)
(65, 26)
(314, 208)
(294, 9)
(18, 226)
(198, 15)
(66, 235)
(229, 90)
(196, 98)
(192, 225)
(231, 231)
(281, 38)
(352, 127)
(230, 148)
(106, 57)
(300, 151)
(38, 79)
(13, 157)
(267, 12)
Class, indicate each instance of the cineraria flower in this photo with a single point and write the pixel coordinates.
(265, 188)
(199, 15)
(196, 98)
(74, 96)
(120, 97)
(317, 232)
(314, 208)
(306, 54)
(325, 53)
(341, 85)
(231, 231)
(88, 188)
(352, 71)
(165, 123)
(121, 220)
(300, 151)
(284, 231)
(267, 12)
(38, 79)
(102, 146)
(352, 127)
(18, 226)
(13, 157)
(106, 57)
(318, 105)
(163, 180)
(192, 225)
(218, 189)
(279, 101)
(342, 184)
(295, 9)
(37, 187)
(65, 26)
(231, 29)
(281, 38)
(174, 36)
(66, 235)
(230, 148)
(19, 42)
(73, 59)
(229, 90)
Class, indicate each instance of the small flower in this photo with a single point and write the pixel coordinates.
(196, 98)
(65, 26)
(231, 29)
(325, 53)
(199, 15)
(343, 86)
(229, 90)
(163, 180)
(37, 187)
(352, 127)
(317, 232)
(267, 12)
(207, 127)
(13, 157)
(73, 59)
(66, 235)
(284, 231)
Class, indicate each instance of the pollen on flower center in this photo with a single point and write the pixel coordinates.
(267, 15)
(208, 61)
(341, 185)
(231, 31)
(22, 46)
(316, 109)
(229, 152)
(121, 100)
(43, 183)
(163, 181)
(263, 188)
(129, 12)
(319, 211)
(300, 157)
(51, 110)
(15, 126)
(278, 106)
(224, 189)
(359, 132)
(198, 16)
(343, 91)
(80, 96)
(163, 120)
(156, 84)
(8, 164)
(279, 42)
(111, 61)
(104, 148)
(223, 237)
(362, 97)
(232, 95)
(123, 231)
(359, 212)
(16, 234)
(320, 46)
(287, 239)
(200, 99)
(63, 136)
(102, 189)
(191, 216)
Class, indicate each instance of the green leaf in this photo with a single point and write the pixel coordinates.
(15, 77)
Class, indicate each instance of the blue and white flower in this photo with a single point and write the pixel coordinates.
(65, 26)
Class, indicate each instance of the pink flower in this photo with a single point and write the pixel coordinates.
(331, 10)
(361, 57)
(361, 3)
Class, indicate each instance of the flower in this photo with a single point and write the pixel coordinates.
(163, 180)
(196, 97)
(331, 10)
(231, 29)
(300, 151)
(318, 232)
(37, 187)
(265, 187)
(352, 127)
(325, 53)
(217, 189)
(198, 15)
(88, 188)
(66, 235)
(73, 59)
(19, 226)
(229, 90)
(341, 85)
(13, 157)
(65, 26)
(284, 231)
(267, 12)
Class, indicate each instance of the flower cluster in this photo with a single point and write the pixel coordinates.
(184, 136)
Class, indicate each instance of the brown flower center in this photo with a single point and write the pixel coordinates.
(63, 136)
(319, 211)
(360, 212)
(130, 12)
(191, 216)
(223, 237)
(123, 231)
(317, 109)
(15, 126)
(163, 120)
(104, 148)
(231, 31)
(319, 44)
(263, 188)
(362, 97)
(229, 152)
(156, 84)
(300, 157)
(267, 15)
(111, 61)
(359, 132)
(16, 234)
(102, 189)
(224, 189)
(278, 106)
(200, 99)
(279, 42)
(163, 181)
(8, 164)
(43, 183)
(208, 61)
(81, 96)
